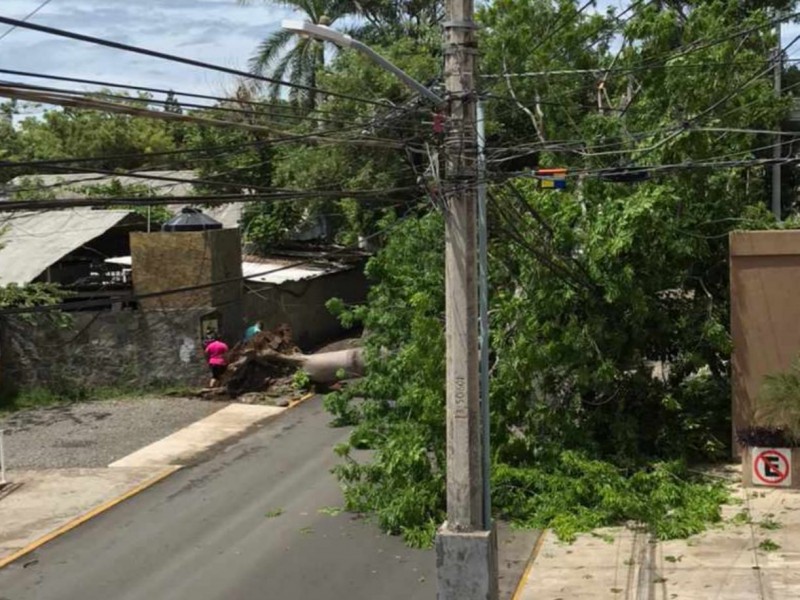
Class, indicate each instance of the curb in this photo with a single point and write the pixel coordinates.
(97, 510)
(529, 567)
(300, 400)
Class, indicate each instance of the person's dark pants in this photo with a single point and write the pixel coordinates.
(217, 370)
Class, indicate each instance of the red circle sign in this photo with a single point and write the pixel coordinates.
(781, 471)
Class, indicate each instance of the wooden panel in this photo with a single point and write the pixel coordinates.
(765, 314)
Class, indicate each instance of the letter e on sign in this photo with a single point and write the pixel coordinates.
(772, 466)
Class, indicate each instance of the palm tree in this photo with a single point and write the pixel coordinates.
(277, 58)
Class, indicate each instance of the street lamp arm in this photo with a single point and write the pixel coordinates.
(398, 72)
(327, 34)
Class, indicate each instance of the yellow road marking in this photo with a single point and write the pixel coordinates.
(72, 524)
(524, 579)
(4, 561)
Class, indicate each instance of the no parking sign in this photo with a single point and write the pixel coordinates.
(772, 466)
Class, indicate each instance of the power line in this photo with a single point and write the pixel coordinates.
(179, 59)
(211, 108)
(81, 305)
(76, 102)
(213, 199)
(142, 155)
(154, 90)
(31, 14)
(633, 68)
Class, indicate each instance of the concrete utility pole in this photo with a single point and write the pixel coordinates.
(466, 545)
(466, 549)
(777, 149)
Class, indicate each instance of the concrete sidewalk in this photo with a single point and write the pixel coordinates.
(49, 502)
(754, 554)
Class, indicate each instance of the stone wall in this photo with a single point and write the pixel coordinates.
(301, 304)
(124, 348)
(142, 348)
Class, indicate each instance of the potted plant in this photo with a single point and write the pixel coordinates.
(771, 456)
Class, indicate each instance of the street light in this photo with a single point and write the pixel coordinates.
(327, 34)
(333, 36)
(467, 565)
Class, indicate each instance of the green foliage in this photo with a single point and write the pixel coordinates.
(68, 133)
(768, 545)
(779, 401)
(580, 494)
(301, 381)
(609, 302)
(287, 56)
(115, 189)
(769, 523)
(31, 295)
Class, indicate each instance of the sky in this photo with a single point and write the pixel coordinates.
(216, 31)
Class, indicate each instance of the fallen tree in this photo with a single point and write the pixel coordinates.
(271, 357)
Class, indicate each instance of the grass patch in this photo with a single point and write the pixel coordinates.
(768, 546)
(40, 397)
(330, 511)
(741, 518)
(770, 523)
(275, 512)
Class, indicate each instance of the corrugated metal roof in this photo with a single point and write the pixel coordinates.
(74, 185)
(265, 270)
(32, 242)
(278, 272)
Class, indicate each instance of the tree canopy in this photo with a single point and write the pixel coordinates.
(609, 300)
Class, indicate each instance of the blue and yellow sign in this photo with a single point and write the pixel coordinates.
(552, 179)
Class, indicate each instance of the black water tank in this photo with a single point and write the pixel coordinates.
(191, 219)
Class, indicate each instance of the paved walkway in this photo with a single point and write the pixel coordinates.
(47, 502)
(754, 555)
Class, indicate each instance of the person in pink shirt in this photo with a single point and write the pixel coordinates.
(216, 350)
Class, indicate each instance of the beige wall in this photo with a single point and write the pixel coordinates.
(171, 260)
(765, 313)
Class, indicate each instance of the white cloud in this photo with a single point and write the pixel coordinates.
(215, 31)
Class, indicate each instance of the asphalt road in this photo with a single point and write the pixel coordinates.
(255, 521)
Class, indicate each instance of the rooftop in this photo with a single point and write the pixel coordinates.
(32, 242)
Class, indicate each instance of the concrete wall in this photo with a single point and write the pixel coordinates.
(135, 348)
(765, 313)
(166, 261)
(302, 305)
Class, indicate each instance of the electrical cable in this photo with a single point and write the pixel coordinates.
(201, 107)
(182, 60)
(595, 71)
(60, 100)
(80, 305)
(180, 93)
(31, 14)
(214, 199)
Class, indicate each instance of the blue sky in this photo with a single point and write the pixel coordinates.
(216, 31)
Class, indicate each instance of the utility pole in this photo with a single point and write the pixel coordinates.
(776, 149)
(466, 544)
(466, 549)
